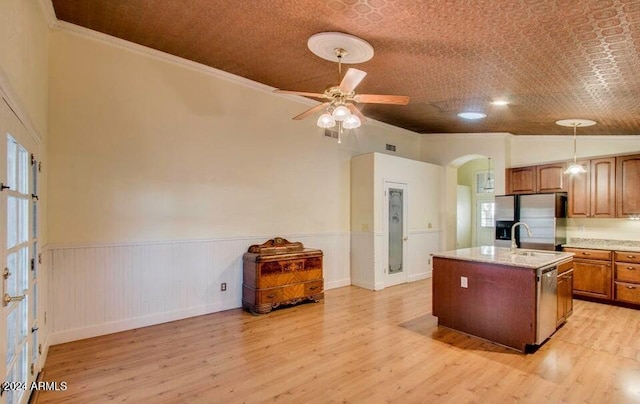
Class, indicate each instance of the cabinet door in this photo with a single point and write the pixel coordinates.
(592, 278)
(565, 297)
(550, 178)
(521, 180)
(568, 303)
(628, 185)
(603, 187)
(562, 286)
(579, 193)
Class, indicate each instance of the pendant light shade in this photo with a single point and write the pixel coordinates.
(341, 113)
(326, 121)
(351, 122)
(575, 168)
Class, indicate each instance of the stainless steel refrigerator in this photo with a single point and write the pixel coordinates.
(545, 214)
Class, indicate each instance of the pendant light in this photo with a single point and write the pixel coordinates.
(575, 168)
(489, 183)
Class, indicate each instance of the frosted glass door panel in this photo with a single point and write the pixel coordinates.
(396, 230)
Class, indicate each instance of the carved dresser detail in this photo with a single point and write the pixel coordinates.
(280, 272)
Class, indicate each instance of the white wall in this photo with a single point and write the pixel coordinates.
(368, 249)
(454, 150)
(150, 153)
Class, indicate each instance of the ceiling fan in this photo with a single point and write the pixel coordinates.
(340, 109)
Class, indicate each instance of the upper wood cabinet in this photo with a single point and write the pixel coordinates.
(593, 194)
(521, 180)
(579, 193)
(550, 178)
(603, 187)
(628, 185)
(535, 179)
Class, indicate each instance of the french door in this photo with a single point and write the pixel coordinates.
(18, 229)
(396, 233)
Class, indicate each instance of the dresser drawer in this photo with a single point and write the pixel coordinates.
(581, 253)
(313, 288)
(627, 272)
(269, 296)
(627, 292)
(627, 256)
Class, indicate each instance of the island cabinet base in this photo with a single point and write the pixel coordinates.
(498, 303)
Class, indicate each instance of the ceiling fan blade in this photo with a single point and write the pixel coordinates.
(351, 80)
(354, 110)
(310, 111)
(314, 95)
(381, 99)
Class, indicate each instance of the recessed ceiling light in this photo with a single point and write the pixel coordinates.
(500, 102)
(472, 115)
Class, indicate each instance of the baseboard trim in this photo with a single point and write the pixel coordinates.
(420, 276)
(132, 323)
(337, 284)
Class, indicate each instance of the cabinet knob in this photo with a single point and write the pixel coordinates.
(631, 287)
(586, 253)
(631, 256)
(631, 268)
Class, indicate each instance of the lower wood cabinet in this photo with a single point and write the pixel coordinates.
(565, 292)
(592, 274)
(627, 277)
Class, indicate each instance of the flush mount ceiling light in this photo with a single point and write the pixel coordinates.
(500, 103)
(339, 110)
(575, 168)
(472, 115)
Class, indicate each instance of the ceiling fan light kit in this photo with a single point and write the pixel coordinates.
(575, 168)
(340, 109)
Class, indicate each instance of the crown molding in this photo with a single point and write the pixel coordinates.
(199, 67)
(570, 137)
(475, 135)
(49, 13)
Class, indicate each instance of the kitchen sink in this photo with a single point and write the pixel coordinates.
(536, 253)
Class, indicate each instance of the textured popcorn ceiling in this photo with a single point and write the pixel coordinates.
(551, 59)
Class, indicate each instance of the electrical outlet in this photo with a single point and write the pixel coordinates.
(223, 286)
(463, 282)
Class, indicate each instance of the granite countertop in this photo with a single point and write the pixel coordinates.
(604, 244)
(503, 256)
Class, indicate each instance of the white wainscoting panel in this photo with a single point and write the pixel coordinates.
(101, 289)
(422, 243)
(363, 260)
(367, 264)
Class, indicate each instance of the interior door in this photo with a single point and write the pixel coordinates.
(17, 236)
(396, 233)
(485, 222)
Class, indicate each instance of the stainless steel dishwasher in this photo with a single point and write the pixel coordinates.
(547, 301)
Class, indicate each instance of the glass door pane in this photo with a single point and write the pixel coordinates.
(16, 277)
(396, 230)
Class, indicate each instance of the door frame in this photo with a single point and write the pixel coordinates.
(12, 124)
(402, 277)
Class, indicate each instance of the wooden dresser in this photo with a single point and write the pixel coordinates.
(280, 272)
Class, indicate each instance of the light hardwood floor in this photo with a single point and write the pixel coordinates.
(358, 346)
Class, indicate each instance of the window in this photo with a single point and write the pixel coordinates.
(487, 214)
(484, 182)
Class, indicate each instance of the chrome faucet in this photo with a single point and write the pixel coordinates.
(513, 234)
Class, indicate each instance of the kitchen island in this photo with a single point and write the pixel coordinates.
(509, 298)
